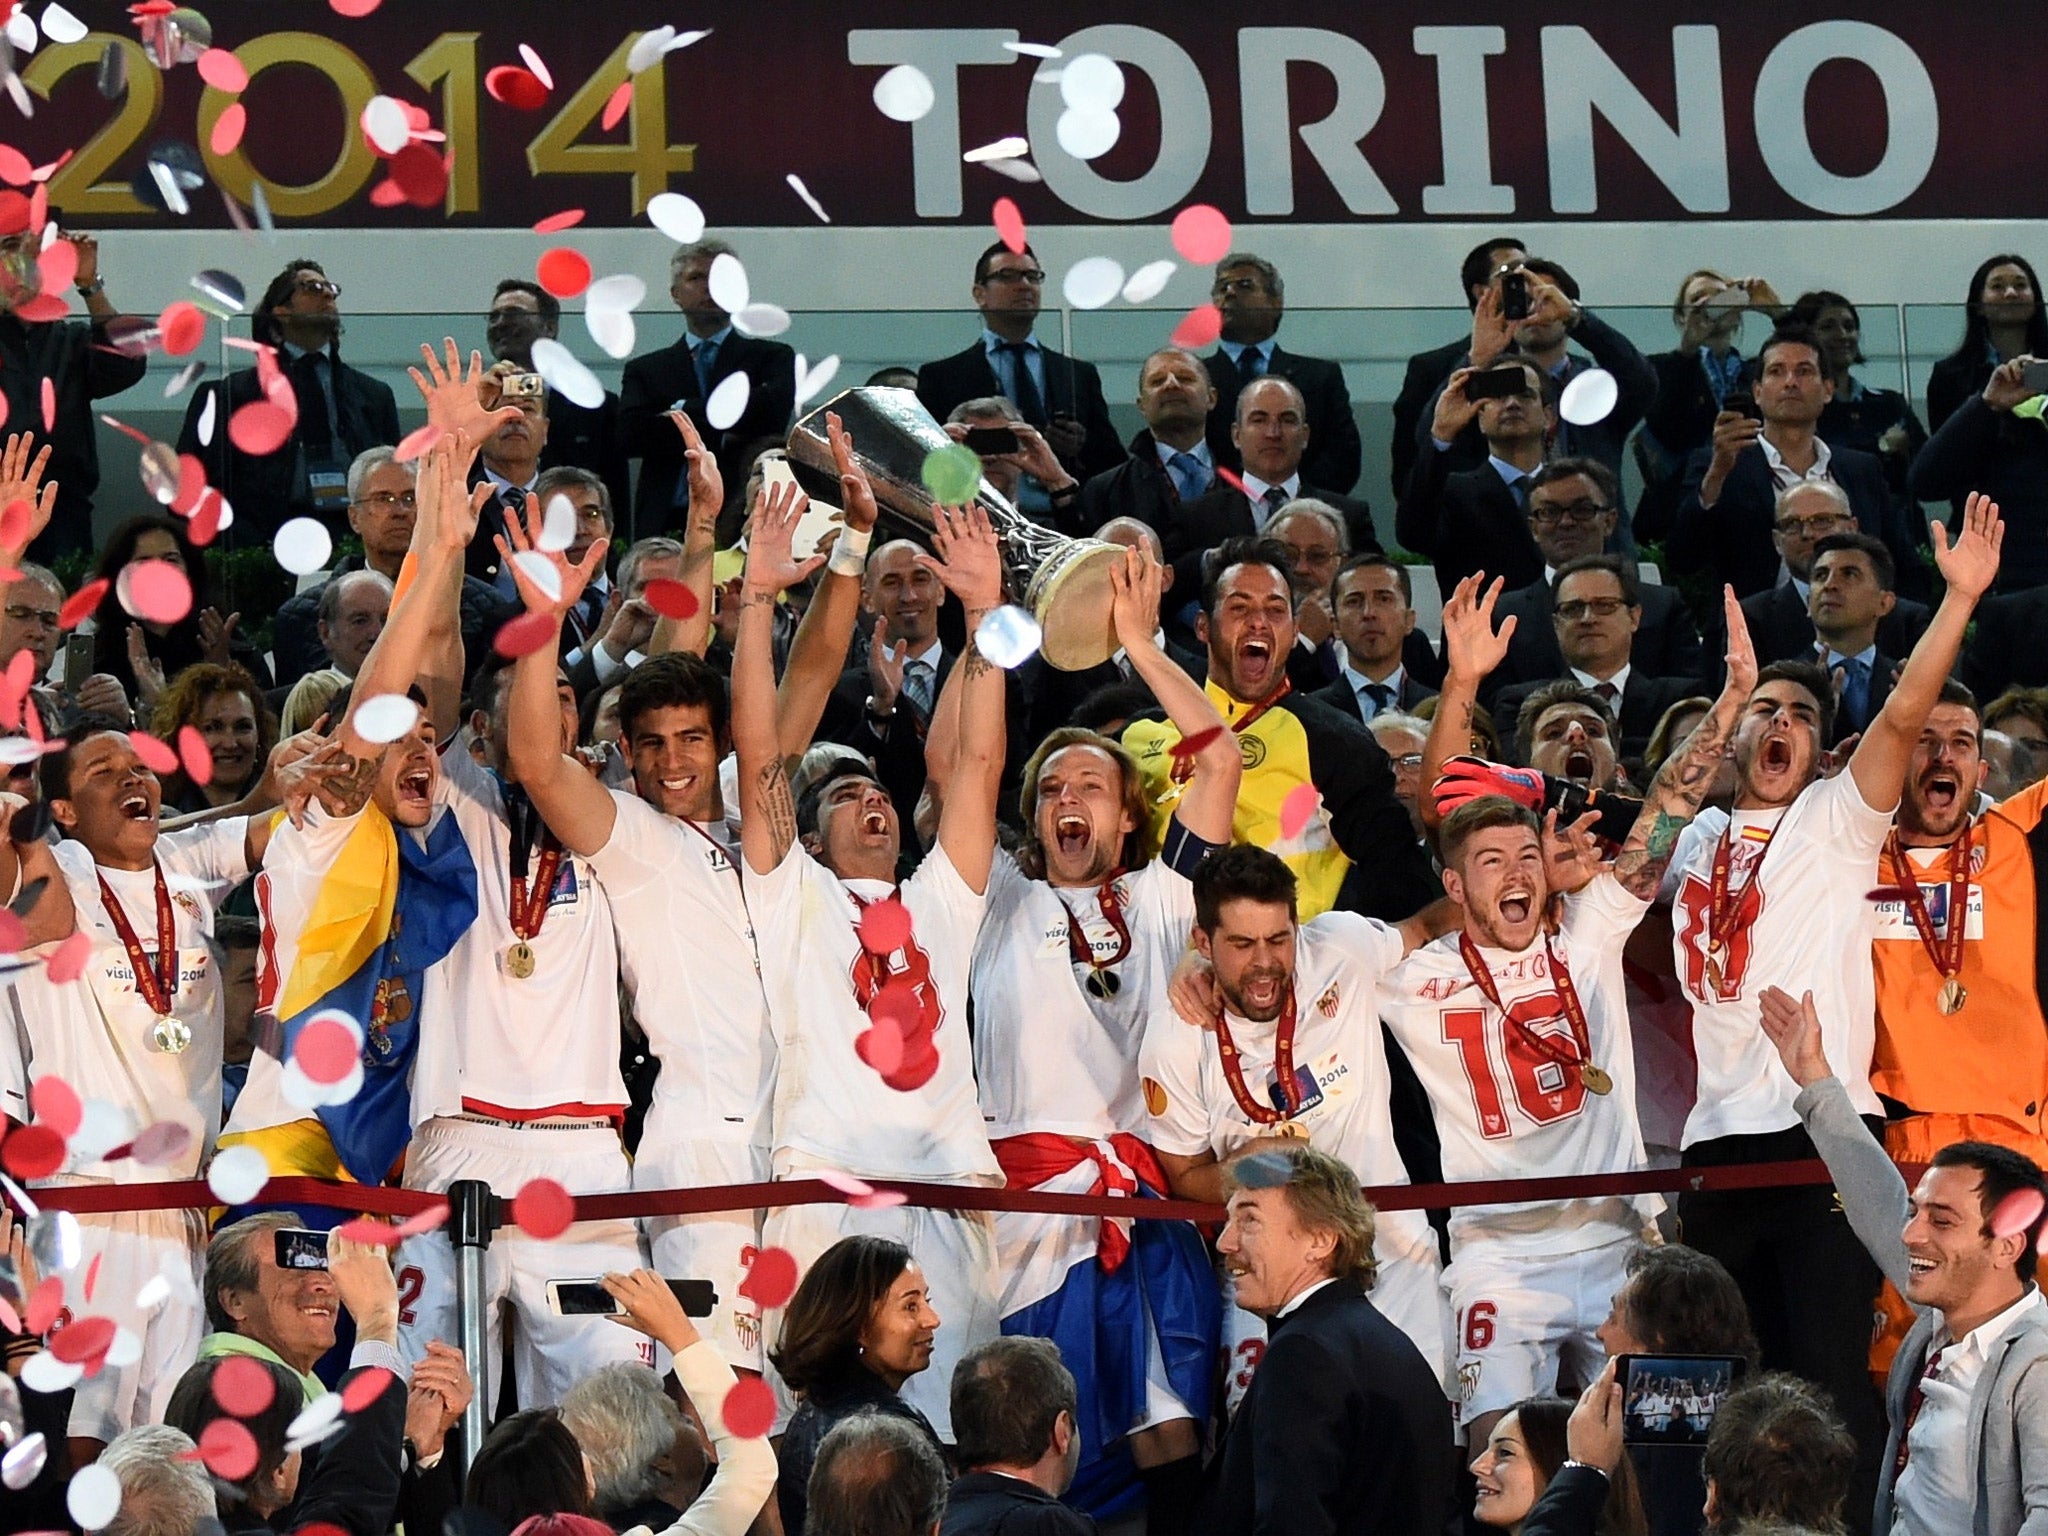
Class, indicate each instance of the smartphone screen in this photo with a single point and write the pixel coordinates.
(990, 441)
(2035, 377)
(1672, 1399)
(300, 1248)
(77, 659)
(589, 1298)
(1514, 295)
(1496, 383)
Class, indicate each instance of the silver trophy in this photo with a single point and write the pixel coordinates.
(1063, 581)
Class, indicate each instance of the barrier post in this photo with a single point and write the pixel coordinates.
(473, 1213)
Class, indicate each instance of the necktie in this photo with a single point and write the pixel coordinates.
(316, 413)
(1251, 363)
(1190, 475)
(1023, 388)
(1520, 486)
(514, 502)
(1915, 1401)
(1275, 498)
(1607, 693)
(1381, 696)
(917, 686)
(705, 356)
(1855, 675)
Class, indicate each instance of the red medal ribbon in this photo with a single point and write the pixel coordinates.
(1283, 1067)
(157, 981)
(1079, 950)
(1946, 951)
(527, 915)
(1184, 767)
(1721, 908)
(1567, 997)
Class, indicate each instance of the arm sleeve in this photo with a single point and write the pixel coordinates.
(1872, 1191)
(355, 1483)
(745, 1476)
(108, 371)
(1599, 919)
(1689, 547)
(1954, 457)
(1633, 373)
(638, 853)
(1390, 873)
(1305, 1441)
(213, 852)
(1570, 1505)
(1418, 518)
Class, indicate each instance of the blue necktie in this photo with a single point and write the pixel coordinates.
(1191, 476)
(705, 356)
(1023, 388)
(1381, 696)
(1251, 363)
(1855, 673)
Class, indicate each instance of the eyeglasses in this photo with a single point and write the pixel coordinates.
(1548, 516)
(1031, 275)
(384, 501)
(1598, 607)
(1408, 762)
(21, 613)
(318, 285)
(1811, 527)
(1238, 285)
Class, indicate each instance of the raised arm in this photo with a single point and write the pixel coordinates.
(767, 813)
(21, 478)
(970, 564)
(1472, 649)
(1969, 566)
(819, 650)
(1209, 804)
(1682, 783)
(700, 544)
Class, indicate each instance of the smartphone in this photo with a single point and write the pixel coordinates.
(991, 441)
(1672, 1399)
(2035, 377)
(1742, 403)
(300, 1248)
(1496, 383)
(589, 1298)
(77, 659)
(1514, 295)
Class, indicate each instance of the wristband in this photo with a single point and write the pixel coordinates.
(1604, 1477)
(850, 553)
(97, 285)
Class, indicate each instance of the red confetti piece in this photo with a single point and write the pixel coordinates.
(524, 635)
(14, 213)
(771, 1279)
(92, 1277)
(157, 756)
(881, 1047)
(542, 1209)
(58, 266)
(1885, 893)
(183, 326)
(56, 1104)
(14, 520)
(82, 1338)
(516, 87)
(42, 174)
(206, 517)
(326, 1050)
(884, 927)
(1198, 327)
(365, 1387)
(1010, 225)
(387, 194)
(369, 1231)
(568, 218)
(125, 430)
(917, 1070)
(228, 129)
(616, 104)
(14, 166)
(50, 404)
(1201, 234)
(43, 308)
(32, 1152)
(259, 427)
(81, 605)
(432, 1219)
(195, 755)
(228, 1450)
(670, 599)
(2015, 1213)
(413, 444)
(1230, 478)
(1190, 746)
(191, 485)
(219, 68)
(421, 174)
(350, 8)
(9, 1318)
(1298, 810)
(44, 1305)
(878, 1199)
(163, 1142)
(158, 591)
(749, 1408)
(67, 961)
(895, 1007)
(563, 272)
(242, 1386)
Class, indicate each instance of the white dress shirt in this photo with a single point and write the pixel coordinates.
(1935, 1494)
(1255, 492)
(1302, 1296)
(1619, 682)
(1360, 681)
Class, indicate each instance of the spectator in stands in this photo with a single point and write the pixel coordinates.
(1374, 607)
(309, 699)
(1808, 511)
(1694, 379)
(1345, 1428)
(2002, 654)
(1313, 532)
(1014, 1412)
(1564, 729)
(584, 437)
(165, 1491)
(1032, 461)
(858, 1327)
(1271, 435)
(508, 461)
(1468, 520)
(1249, 291)
(681, 377)
(1726, 511)
(1596, 612)
(1427, 371)
(1671, 731)
(1850, 596)
(1861, 416)
(340, 412)
(620, 642)
(646, 1460)
(2008, 769)
(1522, 1455)
(896, 377)
(1572, 506)
(2022, 713)
(224, 705)
(2002, 320)
(1401, 737)
(876, 1476)
(141, 654)
(591, 503)
(1996, 442)
(1170, 461)
(529, 1464)
(1059, 395)
(30, 611)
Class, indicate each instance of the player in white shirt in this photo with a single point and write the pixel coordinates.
(810, 877)
(1776, 895)
(1081, 936)
(1516, 1022)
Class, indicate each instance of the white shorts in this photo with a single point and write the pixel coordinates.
(130, 1248)
(1528, 1324)
(549, 1354)
(718, 1246)
(957, 1252)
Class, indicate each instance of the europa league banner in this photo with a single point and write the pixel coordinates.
(1327, 112)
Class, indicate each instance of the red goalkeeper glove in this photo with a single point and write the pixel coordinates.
(1466, 779)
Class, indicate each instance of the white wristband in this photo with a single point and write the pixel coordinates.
(850, 553)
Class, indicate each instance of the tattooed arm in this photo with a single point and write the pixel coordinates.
(1682, 783)
(970, 564)
(767, 813)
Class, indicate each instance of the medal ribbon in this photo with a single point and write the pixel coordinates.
(1945, 951)
(1721, 907)
(1184, 767)
(157, 981)
(1079, 950)
(1283, 1067)
(1567, 997)
(527, 915)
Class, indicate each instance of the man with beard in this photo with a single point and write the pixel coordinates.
(1081, 934)
(582, 436)
(1354, 848)
(1520, 1034)
(1774, 896)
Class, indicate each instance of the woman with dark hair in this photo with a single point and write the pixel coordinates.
(225, 706)
(142, 654)
(2002, 319)
(1523, 1454)
(1861, 416)
(858, 1327)
(529, 1464)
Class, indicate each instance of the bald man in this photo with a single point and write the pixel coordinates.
(1170, 461)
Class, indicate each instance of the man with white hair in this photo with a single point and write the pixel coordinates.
(352, 610)
(164, 1489)
(619, 644)
(646, 1460)
(1317, 545)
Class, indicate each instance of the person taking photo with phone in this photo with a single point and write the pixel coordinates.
(1996, 442)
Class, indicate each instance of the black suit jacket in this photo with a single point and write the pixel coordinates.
(1466, 520)
(1345, 1430)
(657, 380)
(1881, 669)
(352, 1481)
(1200, 525)
(1139, 487)
(1072, 388)
(1732, 539)
(897, 748)
(2005, 649)
(1051, 696)
(990, 1504)
(295, 647)
(587, 437)
(1426, 373)
(1781, 629)
(1333, 450)
(1643, 701)
(1341, 695)
(1667, 642)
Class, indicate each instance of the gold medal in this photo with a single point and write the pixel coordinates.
(1714, 974)
(1953, 996)
(171, 1036)
(1293, 1129)
(1596, 1078)
(519, 961)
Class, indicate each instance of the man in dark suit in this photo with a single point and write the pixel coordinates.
(509, 462)
(626, 624)
(1780, 626)
(682, 377)
(1850, 595)
(1728, 506)
(1375, 612)
(1572, 508)
(1017, 1434)
(1345, 1428)
(1272, 438)
(340, 410)
(2005, 649)
(581, 436)
(1427, 370)
(1597, 610)
(1170, 459)
(1249, 292)
(1471, 520)
(1059, 395)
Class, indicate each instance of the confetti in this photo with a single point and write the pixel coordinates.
(563, 272)
(227, 1450)
(1015, 170)
(83, 1340)
(1035, 50)
(242, 1386)
(157, 756)
(164, 1142)
(44, 1303)
(432, 1219)
(517, 88)
(1198, 328)
(315, 1422)
(1590, 397)
(67, 962)
(771, 1278)
(259, 427)
(796, 185)
(568, 218)
(327, 1048)
(952, 474)
(524, 635)
(540, 570)
(555, 363)
(616, 106)
(1008, 636)
(32, 1152)
(49, 405)
(671, 599)
(1092, 282)
(904, 94)
(728, 400)
(1009, 225)
(58, 265)
(620, 291)
(385, 124)
(540, 70)
(385, 718)
(302, 545)
(811, 380)
(761, 320)
(219, 68)
(228, 129)
(365, 1387)
(417, 442)
(2016, 1212)
(1088, 135)
(543, 1209)
(676, 216)
(727, 283)
(918, 1069)
(647, 48)
(24, 1461)
(60, 26)
(55, 1103)
(44, 1372)
(195, 755)
(557, 525)
(1298, 810)
(1189, 746)
(881, 1047)
(749, 1408)
(354, 8)
(421, 174)
(157, 591)
(1201, 234)
(238, 1174)
(884, 926)
(94, 1497)
(1002, 149)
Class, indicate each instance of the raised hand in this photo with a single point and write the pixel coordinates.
(20, 478)
(856, 494)
(571, 577)
(147, 671)
(1970, 564)
(1571, 853)
(1192, 992)
(448, 507)
(1472, 645)
(1741, 657)
(652, 1309)
(1793, 1026)
(885, 668)
(771, 567)
(968, 561)
(1593, 1434)
(1135, 585)
(456, 403)
(1492, 332)
(707, 485)
(216, 635)
(1454, 409)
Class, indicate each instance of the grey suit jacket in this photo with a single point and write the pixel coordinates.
(2008, 1441)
